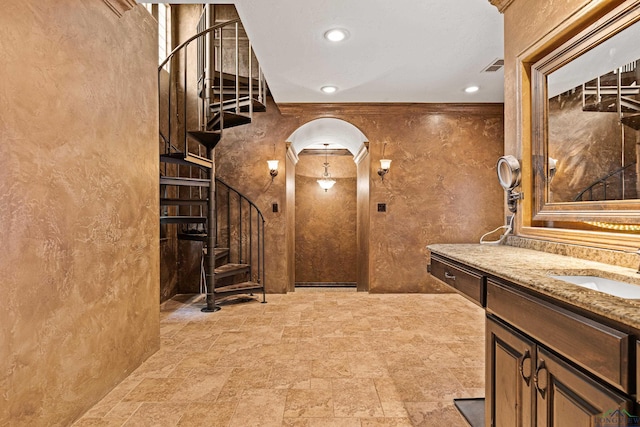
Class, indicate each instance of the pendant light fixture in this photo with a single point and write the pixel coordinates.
(326, 182)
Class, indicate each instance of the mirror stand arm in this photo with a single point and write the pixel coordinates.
(512, 200)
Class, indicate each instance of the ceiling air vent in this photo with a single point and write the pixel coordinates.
(494, 66)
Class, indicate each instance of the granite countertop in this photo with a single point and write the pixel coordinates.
(531, 269)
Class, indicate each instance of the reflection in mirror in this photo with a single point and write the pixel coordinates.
(594, 121)
(585, 132)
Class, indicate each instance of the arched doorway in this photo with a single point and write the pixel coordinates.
(342, 137)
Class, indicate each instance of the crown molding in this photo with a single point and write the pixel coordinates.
(333, 110)
(119, 7)
(501, 4)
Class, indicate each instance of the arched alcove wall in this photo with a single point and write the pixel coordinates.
(328, 130)
(342, 134)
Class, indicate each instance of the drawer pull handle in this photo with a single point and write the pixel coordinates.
(526, 357)
(541, 381)
(448, 275)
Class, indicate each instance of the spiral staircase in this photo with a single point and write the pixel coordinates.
(213, 83)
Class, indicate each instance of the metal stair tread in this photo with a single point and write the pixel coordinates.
(183, 219)
(187, 159)
(229, 79)
(231, 270)
(207, 138)
(242, 103)
(219, 252)
(230, 120)
(609, 104)
(238, 288)
(196, 237)
(189, 182)
(182, 202)
(632, 121)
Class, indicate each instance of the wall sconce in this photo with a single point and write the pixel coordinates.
(385, 164)
(273, 168)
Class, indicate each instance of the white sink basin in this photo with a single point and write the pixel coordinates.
(608, 286)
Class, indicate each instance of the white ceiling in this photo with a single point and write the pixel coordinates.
(397, 51)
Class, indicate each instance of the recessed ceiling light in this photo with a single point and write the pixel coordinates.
(336, 35)
(328, 89)
(471, 89)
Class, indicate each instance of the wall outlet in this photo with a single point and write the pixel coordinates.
(275, 207)
(382, 207)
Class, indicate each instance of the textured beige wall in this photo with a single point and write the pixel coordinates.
(79, 205)
(326, 244)
(442, 186)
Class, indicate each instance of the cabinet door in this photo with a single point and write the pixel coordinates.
(567, 397)
(509, 372)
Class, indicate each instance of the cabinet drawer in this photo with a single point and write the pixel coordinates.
(597, 348)
(467, 283)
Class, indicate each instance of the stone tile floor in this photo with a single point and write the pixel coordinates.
(308, 358)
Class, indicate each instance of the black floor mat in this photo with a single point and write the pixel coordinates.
(472, 410)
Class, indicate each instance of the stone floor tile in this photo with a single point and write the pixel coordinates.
(429, 414)
(355, 397)
(316, 403)
(308, 359)
(393, 408)
(156, 415)
(260, 407)
(207, 414)
(154, 390)
(321, 422)
(386, 422)
(287, 374)
(331, 368)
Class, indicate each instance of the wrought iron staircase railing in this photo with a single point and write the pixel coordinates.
(600, 189)
(197, 108)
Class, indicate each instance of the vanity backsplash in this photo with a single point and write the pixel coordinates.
(606, 256)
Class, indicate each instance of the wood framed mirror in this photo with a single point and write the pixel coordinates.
(585, 146)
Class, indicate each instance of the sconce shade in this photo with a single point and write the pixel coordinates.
(385, 164)
(273, 168)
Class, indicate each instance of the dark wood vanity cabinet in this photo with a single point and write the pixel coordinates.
(565, 396)
(466, 281)
(509, 386)
(528, 385)
(546, 365)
